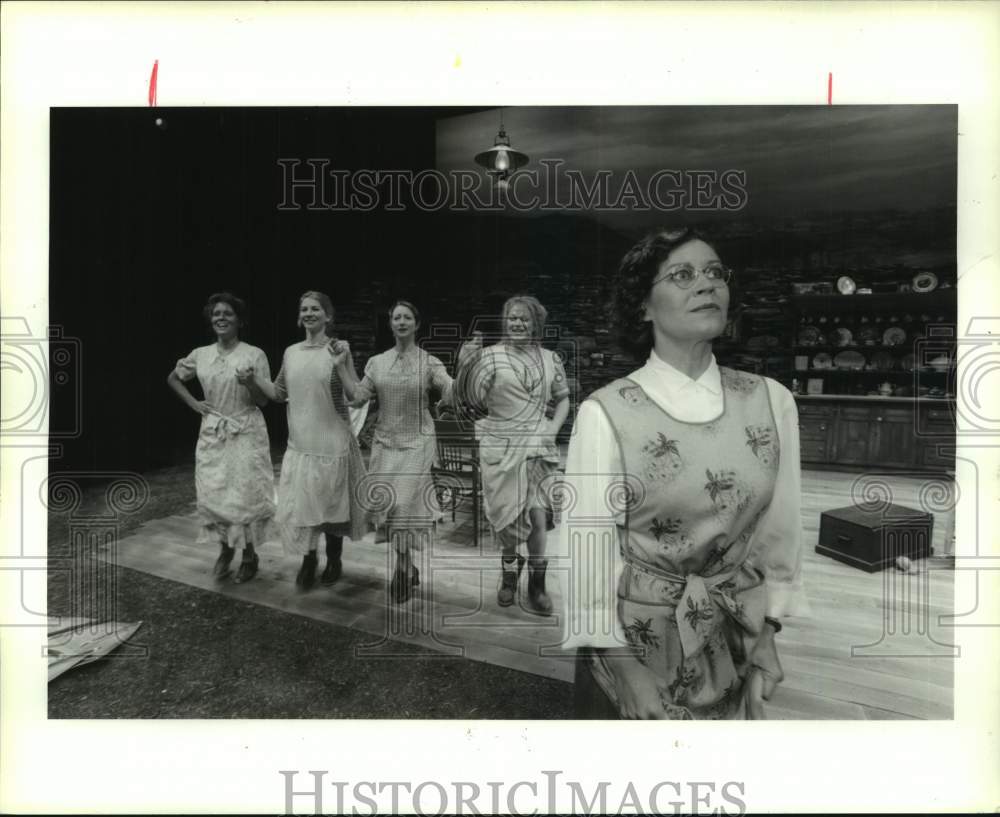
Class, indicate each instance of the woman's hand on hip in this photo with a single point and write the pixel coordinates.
(203, 407)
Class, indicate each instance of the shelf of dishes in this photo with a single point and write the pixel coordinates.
(853, 301)
(922, 371)
(870, 347)
(873, 398)
(870, 282)
(932, 359)
(817, 386)
(812, 334)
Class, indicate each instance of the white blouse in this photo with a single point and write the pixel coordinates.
(590, 614)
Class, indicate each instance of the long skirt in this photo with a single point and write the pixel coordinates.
(234, 481)
(538, 473)
(316, 494)
(400, 491)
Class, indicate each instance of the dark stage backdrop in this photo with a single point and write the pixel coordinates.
(148, 220)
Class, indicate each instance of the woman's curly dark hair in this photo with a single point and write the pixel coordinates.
(239, 306)
(634, 279)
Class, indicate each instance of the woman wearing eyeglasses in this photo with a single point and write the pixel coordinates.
(695, 468)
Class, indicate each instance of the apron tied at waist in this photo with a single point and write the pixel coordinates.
(226, 427)
(704, 603)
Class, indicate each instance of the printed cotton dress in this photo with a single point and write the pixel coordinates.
(690, 597)
(234, 478)
(404, 445)
(323, 463)
(517, 456)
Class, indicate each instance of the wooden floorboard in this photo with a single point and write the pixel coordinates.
(825, 678)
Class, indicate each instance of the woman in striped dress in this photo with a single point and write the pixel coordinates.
(403, 444)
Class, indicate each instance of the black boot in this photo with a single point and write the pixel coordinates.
(248, 568)
(509, 579)
(538, 600)
(221, 569)
(307, 573)
(334, 567)
(402, 581)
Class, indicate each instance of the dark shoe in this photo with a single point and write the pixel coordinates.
(307, 573)
(332, 572)
(248, 569)
(509, 580)
(222, 564)
(334, 567)
(399, 588)
(539, 602)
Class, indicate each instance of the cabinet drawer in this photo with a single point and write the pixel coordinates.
(938, 420)
(942, 415)
(812, 410)
(939, 458)
(814, 429)
(858, 413)
(813, 450)
(891, 415)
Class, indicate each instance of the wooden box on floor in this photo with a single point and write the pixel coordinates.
(872, 539)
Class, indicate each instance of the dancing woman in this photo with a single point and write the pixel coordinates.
(403, 443)
(515, 381)
(323, 462)
(234, 478)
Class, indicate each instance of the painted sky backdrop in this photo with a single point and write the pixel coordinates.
(797, 159)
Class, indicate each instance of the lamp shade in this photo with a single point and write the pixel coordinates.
(501, 159)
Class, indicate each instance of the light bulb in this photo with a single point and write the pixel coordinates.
(502, 160)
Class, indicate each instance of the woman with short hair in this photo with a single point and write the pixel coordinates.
(515, 382)
(234, 478)
(685, 533)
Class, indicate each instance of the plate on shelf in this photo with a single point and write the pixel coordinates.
(882, 361)
(854, 361)
(940, 363)
(925, 282)
(822, 361)
(894, 336)
(808, 336)
(843, 337)
(846, 285)
(907, 363)
(868, 335)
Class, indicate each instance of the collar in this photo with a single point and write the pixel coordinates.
(220, 355)
(413, 351)
(672, 378)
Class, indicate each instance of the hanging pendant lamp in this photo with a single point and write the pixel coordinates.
(501, 161)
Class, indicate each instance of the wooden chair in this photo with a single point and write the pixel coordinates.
(457, 476)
